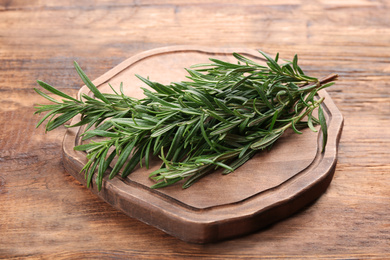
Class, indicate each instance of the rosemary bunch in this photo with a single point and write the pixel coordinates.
(218, 118)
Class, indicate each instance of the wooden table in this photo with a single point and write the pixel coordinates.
(46, 214)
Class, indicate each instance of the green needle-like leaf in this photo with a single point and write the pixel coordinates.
(122, 158)
(55, 91)
(324, 127)
(89, 84)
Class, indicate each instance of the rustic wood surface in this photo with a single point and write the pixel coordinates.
(45, 213)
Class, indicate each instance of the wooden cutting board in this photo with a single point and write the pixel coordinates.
(266, 189)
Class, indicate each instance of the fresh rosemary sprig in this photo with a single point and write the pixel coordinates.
(218, 118)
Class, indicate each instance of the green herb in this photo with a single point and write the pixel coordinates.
(218, 118)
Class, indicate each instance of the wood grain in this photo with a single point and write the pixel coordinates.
(46, 214)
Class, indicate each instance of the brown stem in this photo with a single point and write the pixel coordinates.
(328, 78)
